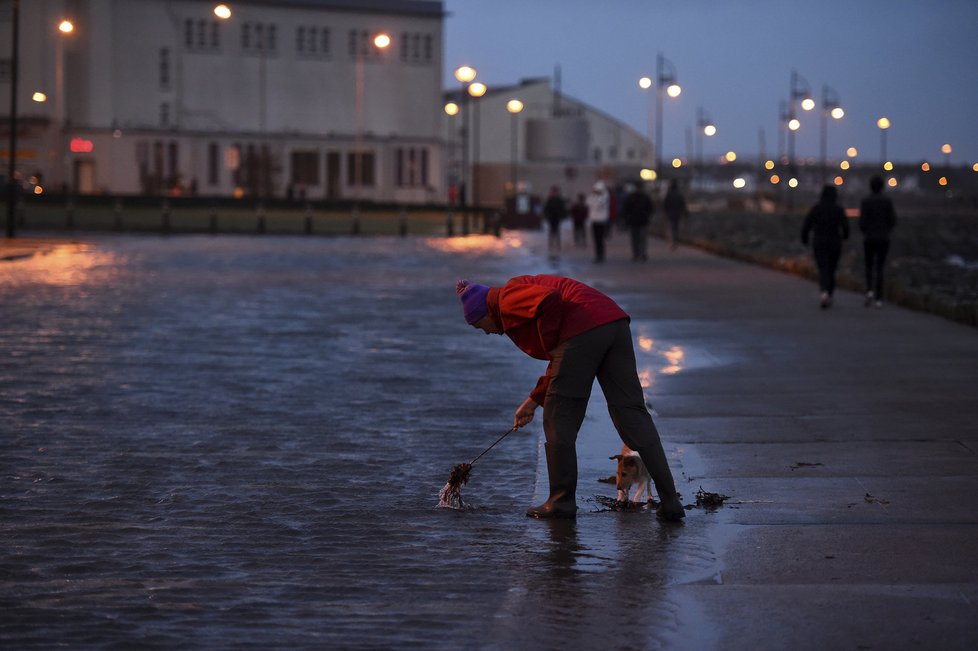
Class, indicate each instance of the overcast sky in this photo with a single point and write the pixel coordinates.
(913, 61)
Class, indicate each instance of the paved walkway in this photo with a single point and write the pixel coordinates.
(845, 438)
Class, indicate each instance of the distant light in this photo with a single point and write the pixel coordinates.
(844, 165)
(946, 148)
(775, 179)
(838, 113)
(38, 189)
(645, 82)
(677, 163)
(839, 180)
(808, 104)
(730, 156)
(674, 90)
(39, 97)
(942, 180)
(883, 123)
(477, 89)
(974, 168)
(222, 11)
(514, 106)
(451, 108)
(117, 134)
(66, 27)
(892, 182)
(739, 182)
(465, 74)
(769, 165)
(382, 41)
(794, 124)
(81, 146)
(710, 130)
(650, 175)
(792, 183)
(888, 166)
(925, 167)
(238, 193)
(852, 152)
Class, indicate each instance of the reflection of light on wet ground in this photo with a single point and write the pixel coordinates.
(657, 357)
(675, 355)
(64, 265)
(477, 243)
(646, 343)
(645, 377)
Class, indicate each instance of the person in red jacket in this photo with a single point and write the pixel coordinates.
(584, 335)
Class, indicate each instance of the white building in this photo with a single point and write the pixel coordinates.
(554, 140)
(162, 96)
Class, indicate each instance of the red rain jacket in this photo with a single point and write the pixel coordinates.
(541, 312)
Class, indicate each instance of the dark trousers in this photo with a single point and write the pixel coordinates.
(827, 259)
(605, 353)
(598, 231)
(640, 238)
(875, 252)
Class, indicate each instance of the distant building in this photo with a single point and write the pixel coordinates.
(284, 97)
(554, 140)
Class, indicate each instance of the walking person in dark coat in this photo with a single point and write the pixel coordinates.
(637, 209)
(554, 210)
(674, 206)
(876, 220)
(826, 221)
(579, 215)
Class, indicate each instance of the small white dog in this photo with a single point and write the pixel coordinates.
(631, 471)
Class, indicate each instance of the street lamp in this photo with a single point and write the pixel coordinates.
(465, 75)
(830, 107)
(476, 90)
(704, 127)
(222, 11)
(884, 125)
(514, 106)
(668, 83)
(65, 29)
(800, 90)
(381, 42)
(12, 151)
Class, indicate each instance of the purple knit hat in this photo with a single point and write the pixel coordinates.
(473, 299)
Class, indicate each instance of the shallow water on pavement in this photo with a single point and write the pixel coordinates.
(238, 442)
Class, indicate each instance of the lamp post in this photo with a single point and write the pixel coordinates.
(667, 78)
(830, 107)
(65, 28)
(476, 90)
(514, 106)
(381, 42)
(884, 125)
(465, 75)
(704, 127)
(800, 90)
(12, 152)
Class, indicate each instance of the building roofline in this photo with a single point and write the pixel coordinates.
(430, 8)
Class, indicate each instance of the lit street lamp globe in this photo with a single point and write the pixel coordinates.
(451, 108)
(382, 41)
(645, 82)
(465, 74)
(674, 90)
(838, 113)
(514, 106)
(808, 104)
(794, 124)
(66, 27)
(709, 130)
(946, 148)
(478, 89)
(883, 123)
(222, 11)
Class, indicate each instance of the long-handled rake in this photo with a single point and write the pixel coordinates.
(451, 495)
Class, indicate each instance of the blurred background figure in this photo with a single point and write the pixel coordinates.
(554, 210)
(579, 216)
(598, 213)
(674, 206)
(637, 209)
(876, 221)
(826, 221)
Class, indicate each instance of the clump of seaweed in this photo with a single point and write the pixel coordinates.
(709, 501)
(451, 495)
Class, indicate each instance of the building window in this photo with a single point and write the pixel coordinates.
(305, 168)
(215, 35)
(411, 167)
(424, 167)
(165, 114)
(324, 40)
(258, 38)
(6, 70)
(173, 166)
(213, 163)
(300, 39)
(597, 154)
(312, 41)
(165, 68)
(188, 34)
(417, 48)
(360, 164)
(201, 35)
(246, 37)
(428, 47)
(612, 153)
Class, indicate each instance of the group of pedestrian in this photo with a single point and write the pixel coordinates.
(600, 208)
(828, 227)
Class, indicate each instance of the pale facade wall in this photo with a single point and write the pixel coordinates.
(135, 86)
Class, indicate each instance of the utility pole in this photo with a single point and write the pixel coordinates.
(12, 154)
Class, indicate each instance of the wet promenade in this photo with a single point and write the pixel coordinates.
(237, 442)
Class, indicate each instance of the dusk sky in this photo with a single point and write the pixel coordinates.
(913, 61)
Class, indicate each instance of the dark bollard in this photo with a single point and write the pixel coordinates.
(450, 225)
(465, 223)
(356, 220)
(70, 214)
(497, 224)
(261, 218)
(117, 223)
(165, 225)
(308, 219)
(403, 225)
(212, 225)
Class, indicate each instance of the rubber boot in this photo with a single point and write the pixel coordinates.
(670, 506)
(562, 473)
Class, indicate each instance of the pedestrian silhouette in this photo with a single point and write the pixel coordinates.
(674, 205)
(599, 213)
(876, 221)
(579, 215)
(826, 222)
(554, 210)
(637, 209)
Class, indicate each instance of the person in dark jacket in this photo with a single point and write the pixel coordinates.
(876, 221)
(555, 209)
(826, 221)
(579, 214)
(637, 209)
(584, 335)
(674, 206)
